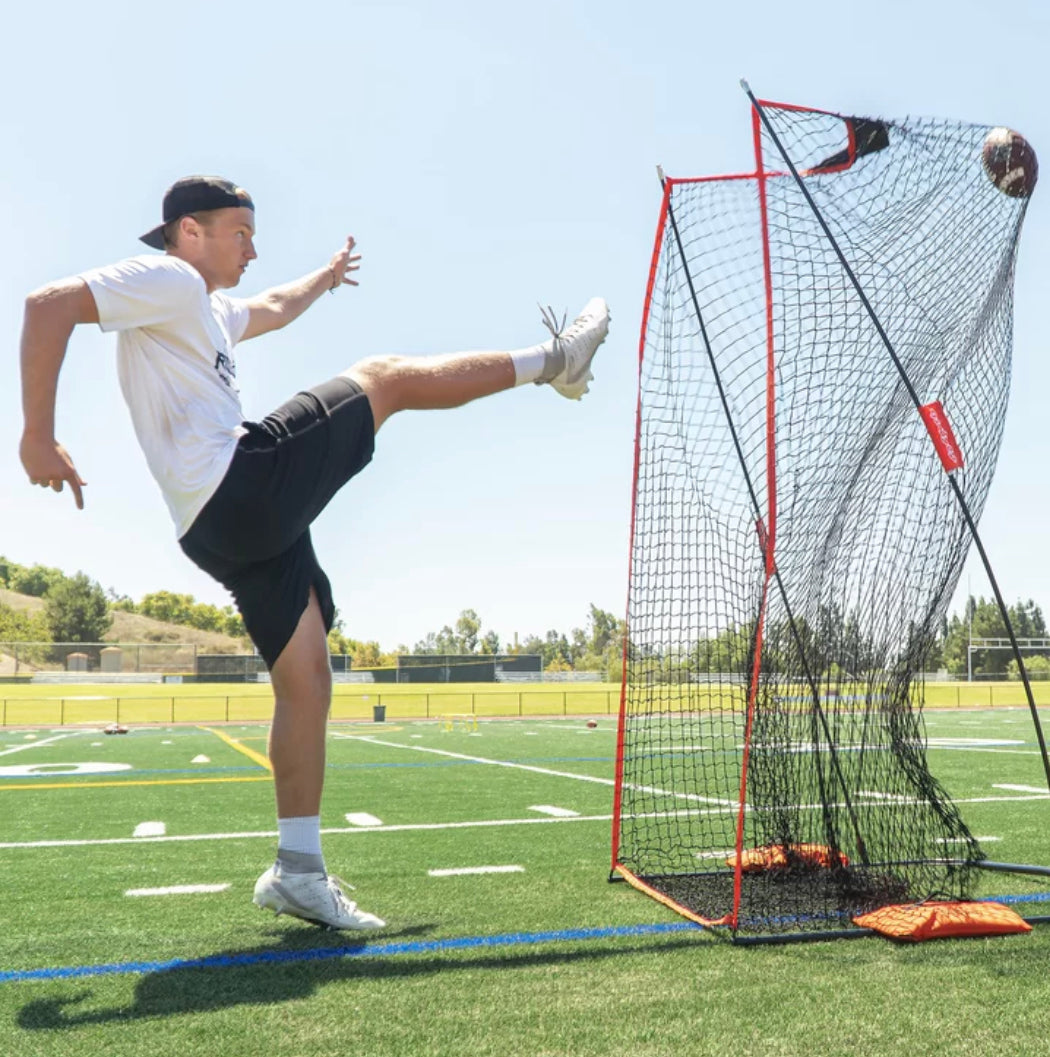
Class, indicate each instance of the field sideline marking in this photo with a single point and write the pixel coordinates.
(378, 950)
(256, 757)
(538, 770)
(386, 950)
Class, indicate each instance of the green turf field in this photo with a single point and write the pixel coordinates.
(542, 956)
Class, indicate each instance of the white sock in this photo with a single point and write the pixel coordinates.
(301, 834)
(532, 363)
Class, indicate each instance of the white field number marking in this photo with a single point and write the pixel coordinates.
(36, 770)
(554, 812)
(363, 818)
(150, 829)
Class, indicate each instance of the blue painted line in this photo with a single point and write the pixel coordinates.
(1038, 897)
(380, 950)
(386, 950)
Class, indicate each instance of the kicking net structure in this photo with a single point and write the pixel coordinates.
(799, 527)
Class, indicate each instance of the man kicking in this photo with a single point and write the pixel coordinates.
(243, 494)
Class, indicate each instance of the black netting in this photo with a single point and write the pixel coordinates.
(774, 422)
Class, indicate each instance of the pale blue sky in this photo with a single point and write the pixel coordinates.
(486, 156)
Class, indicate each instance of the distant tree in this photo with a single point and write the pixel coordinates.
(465, 637)
(531, 644)
(446, 641)
(981, 619)
(167, 606)
(338, 643)
(124, 603)
(368, 655)
(77, 610)
(1038, 667)
(599, 648)
(468, 629)
(556, 647)
(34, 580)
(20, 626)
(361, 654)
(427, 645)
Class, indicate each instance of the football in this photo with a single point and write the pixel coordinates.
(1010, 162)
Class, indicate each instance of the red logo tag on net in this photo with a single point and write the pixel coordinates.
(941, 434)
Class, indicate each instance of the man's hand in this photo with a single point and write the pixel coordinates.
(280, 305)
(344, 263)
(49, 465)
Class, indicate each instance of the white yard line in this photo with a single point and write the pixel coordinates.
(270, 834)
(464, 871)
(37, 744)
(537, 770)
(473, 824)
(975, 748)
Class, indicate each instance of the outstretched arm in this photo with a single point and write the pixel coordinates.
(51, 313)
(278, 306)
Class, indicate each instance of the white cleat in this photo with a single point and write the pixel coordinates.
(315, 897)
(578, 344)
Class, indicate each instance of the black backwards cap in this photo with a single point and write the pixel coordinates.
(196, 194)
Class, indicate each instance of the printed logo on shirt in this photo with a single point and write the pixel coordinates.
(226, 368)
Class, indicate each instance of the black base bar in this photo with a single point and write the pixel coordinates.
(1013, 867)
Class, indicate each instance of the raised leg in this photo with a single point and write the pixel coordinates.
(423, 383)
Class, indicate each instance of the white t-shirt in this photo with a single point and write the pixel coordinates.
(176, 368)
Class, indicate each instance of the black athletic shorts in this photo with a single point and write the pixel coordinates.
(253, 535)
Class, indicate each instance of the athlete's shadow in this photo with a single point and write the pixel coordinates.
(293, 967)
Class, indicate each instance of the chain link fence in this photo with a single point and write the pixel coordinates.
(113, 658)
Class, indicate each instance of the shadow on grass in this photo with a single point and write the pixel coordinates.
(276, 973)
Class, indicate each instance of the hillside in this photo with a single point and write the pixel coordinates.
(133, 627)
